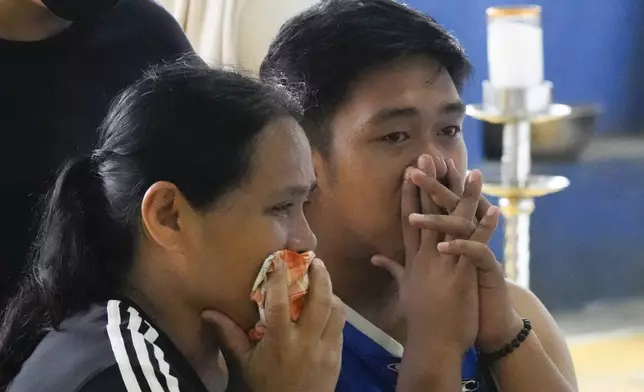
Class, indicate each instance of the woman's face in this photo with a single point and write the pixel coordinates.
(264, 214)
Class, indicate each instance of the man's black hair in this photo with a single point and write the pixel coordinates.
(324, 49)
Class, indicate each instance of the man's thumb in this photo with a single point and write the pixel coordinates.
(394, 268)
(233, 338)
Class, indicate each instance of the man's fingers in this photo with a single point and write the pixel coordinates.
(410, 204)
(454, 178)
(441, 167)
(466, 208)
(395, 269)
(439, 193)
(443, 197)
(454, 226)
(477, 253)
(484, 206)
(320, 299)
(426, 165)
(429, 238)
(276, 305)
(475, 250)
(486, 226)
(471, 194)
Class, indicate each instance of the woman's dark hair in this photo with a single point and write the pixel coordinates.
(184, 123)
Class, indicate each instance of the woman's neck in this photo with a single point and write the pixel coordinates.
(185, 328)
(28, 21)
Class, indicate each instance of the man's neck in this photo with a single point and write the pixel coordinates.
(28, 21)
(367, 289)
(385, 314)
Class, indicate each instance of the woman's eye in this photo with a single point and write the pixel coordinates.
(283, 209)
(396, 137)
(452, 131)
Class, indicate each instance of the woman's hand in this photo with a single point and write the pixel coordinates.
(292, 357)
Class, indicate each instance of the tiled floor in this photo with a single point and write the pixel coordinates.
(607, 345)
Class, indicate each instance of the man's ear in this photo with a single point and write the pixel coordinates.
(164, 212)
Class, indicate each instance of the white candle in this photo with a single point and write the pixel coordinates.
(515, 47)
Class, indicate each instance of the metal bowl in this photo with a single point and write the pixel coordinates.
(564, 139)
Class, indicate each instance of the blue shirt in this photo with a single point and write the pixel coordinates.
(371, 358)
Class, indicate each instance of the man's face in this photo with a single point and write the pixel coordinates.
(391, 116)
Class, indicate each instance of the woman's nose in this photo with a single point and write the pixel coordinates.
(302, 237)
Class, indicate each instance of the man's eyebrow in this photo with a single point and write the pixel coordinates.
(456, 107)
(387, 114)
(383, 115)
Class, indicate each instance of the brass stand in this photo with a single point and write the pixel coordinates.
(517, 109)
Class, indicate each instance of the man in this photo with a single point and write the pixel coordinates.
(62, 63)
(380, 84)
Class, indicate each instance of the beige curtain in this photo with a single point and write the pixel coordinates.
(211, 27)
(233, 33)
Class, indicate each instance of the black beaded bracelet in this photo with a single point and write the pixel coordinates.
(510, 347)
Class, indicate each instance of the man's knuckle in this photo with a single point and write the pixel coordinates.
(487, 225)
(452, 209)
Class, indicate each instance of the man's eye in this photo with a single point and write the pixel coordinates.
(452, 131)
(395, 137)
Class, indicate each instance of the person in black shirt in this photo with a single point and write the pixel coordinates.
(149, 247)
(60, 67)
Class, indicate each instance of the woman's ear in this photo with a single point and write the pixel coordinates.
(165, 214)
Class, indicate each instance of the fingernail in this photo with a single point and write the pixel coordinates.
(475, 175)
(378, 259)
(415, 216)
(422, 162)
(408, 174)
(492, 211)
(442, 246)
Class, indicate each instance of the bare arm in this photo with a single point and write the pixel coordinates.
(543, 362)
(429, 370)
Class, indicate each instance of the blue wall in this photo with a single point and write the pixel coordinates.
(588, 241)
(594, 51)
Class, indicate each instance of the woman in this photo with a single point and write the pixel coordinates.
(148, 250)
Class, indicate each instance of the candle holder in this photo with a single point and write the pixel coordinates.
(516, 96)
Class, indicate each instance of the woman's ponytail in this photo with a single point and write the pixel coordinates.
(69, 267)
